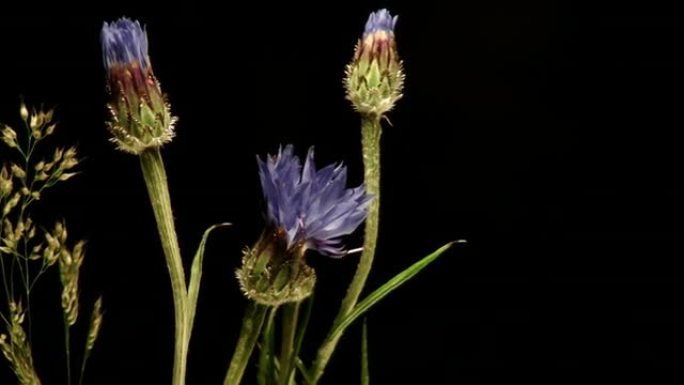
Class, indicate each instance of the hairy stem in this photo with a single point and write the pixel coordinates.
(251, 327)
(371, 130)
(290, 320)
(158, 190)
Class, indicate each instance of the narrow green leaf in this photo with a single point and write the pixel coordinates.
(387, 288)
(266, 350)
(196, 276)
(365, 377)
(301, 331)
(304, 371)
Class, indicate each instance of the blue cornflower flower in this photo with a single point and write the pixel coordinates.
(313, 207)
(306, 209)
(140, 115)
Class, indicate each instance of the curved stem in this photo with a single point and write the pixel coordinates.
(371, 130)
(158, 190)
(251, 327)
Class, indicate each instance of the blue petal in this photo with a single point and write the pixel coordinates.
(312, 206)
(124, 42)
(381, 20)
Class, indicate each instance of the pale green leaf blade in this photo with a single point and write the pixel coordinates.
(304, 371)
(301, 330)
(196, 275)
(387, 288)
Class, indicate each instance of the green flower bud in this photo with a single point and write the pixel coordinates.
(374, 79)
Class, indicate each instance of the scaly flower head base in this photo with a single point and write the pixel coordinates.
(306, 209)
(140, 115)
(273, 274)
(375, 78)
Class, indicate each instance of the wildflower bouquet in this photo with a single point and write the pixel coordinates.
(308, 211)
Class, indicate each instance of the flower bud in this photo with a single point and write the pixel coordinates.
(140, 115)
(374, 79)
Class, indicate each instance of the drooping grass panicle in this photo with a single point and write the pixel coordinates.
(70, 261)
(95, 324)
(96, 317)
(16, 347)
(27, 171)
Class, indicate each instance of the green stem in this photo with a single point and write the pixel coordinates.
(86, 355)
(264, 373)
(67, 349)
(4, 277)
(365, 377)
(371, 130)
(251, 327)
(27, 285)
(158, 190)
(290, 320)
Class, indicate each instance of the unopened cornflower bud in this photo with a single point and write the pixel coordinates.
(375, 78)
(140, 115)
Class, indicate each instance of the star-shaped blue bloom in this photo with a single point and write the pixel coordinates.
(313, 207)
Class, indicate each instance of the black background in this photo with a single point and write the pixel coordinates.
(545, 133)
